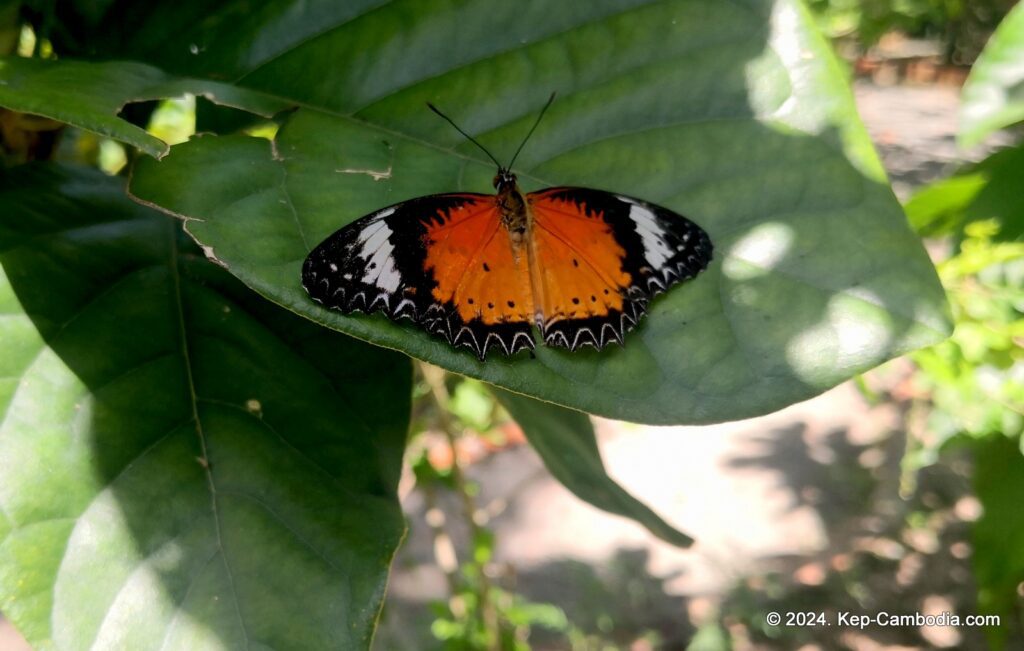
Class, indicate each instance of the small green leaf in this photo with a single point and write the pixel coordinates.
(993, 96)
(565, 441)
(473, 405)
(987, 190)
(710, 637)
(182, 464)
(738, 118)
(90, 95)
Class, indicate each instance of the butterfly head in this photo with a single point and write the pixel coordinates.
(504, 179)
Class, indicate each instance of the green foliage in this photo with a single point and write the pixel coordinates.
(710, 637)
(478, 615)
(993, 96)
(461, 624)
(178, 454)
(961, 24)
(974, 378)
(473, 405)
(983, 191)
(90, 95)
(975, 387)
(871, 19)
(999, 534)
(974, 382)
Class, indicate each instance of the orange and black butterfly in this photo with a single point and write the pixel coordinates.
(481, 270)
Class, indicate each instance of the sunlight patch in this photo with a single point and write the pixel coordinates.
(852, 330)
(758, 252)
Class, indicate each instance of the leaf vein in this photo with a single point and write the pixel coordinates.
(207, 467)
(180, 606)
(287, 527)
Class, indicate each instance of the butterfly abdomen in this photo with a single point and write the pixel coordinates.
(512, 207)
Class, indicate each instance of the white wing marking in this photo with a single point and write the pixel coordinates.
(656, 250)
(376, 253)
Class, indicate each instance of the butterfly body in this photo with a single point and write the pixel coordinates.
(515, 214)
(481, 271)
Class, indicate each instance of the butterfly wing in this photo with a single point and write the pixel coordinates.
(443, 261)
(602, 257)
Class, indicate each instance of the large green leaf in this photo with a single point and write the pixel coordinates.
(565, 441)
(220, 40)
(182, 464)
(732, 113)
(90, 95)
(993, 96)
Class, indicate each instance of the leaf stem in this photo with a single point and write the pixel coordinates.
(486, 613)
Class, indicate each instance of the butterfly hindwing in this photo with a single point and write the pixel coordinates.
(439, 260)
(603, 257)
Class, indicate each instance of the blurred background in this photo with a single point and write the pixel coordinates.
(901, 491)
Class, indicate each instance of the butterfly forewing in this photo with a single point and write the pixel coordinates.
(375, 263)
(443, 261)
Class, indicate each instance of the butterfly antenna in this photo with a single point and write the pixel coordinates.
(532, 129)
(469, 137)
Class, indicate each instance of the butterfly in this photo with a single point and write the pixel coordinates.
(482, 270)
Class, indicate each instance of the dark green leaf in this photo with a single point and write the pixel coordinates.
(990, 189)
(999, 534)
(993, 96)
(734, 114)
(90, 95)
(220, 40)
(565, 441)
(182, 464)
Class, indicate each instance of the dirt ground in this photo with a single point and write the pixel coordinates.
(797, 510)
(914, 128)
